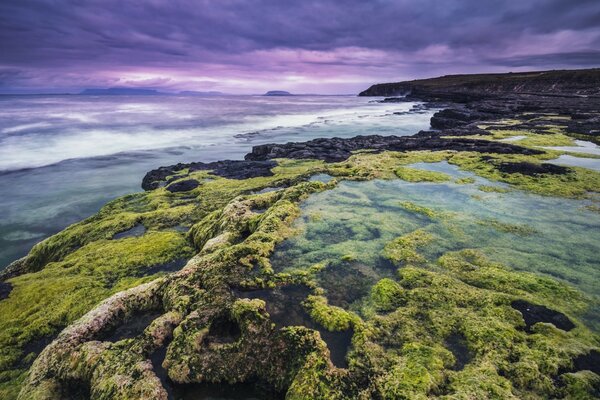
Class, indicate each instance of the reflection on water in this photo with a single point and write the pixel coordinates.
(347, 228)
(572, 161)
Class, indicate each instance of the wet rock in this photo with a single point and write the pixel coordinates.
(589, 362)
(532, 314)
(5, 289)
(338, 149)
(137, 231)
(132, 327)
(452, 117)
(531, 169)
(226, 169)
(222, 330)
(183, 186)
(15, 268)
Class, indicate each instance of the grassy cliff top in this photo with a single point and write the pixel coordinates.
(569, 82)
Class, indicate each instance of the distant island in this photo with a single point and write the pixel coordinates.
(277, 93)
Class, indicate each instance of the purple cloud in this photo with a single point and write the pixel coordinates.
(248, 46)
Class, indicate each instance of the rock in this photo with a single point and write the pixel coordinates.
(226, 169)
(532, 314)
(277, 93)
(183, 186)
(527, 168)
(337, 149)
(584, 82)
(16, 268)
(5, 289)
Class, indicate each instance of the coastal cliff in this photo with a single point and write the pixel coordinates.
(585, 82)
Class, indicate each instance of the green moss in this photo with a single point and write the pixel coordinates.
(331, 317)
(419, 175)
(493, 189)
(44, 302)
(387, 295)
(465, 181)
(578, 183)
(418, 371)
(404, 248)
(428, 212)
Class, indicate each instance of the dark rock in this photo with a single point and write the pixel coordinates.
(531, 169)
(477, 86)
(395, 100)
(5, 289)
(222, 330)
(226, 169)
(15, 268)
(454, 117)
(588, 126)
(532, 314)
(588, 362)
(337, 149)
(183, 186)
(132, 327)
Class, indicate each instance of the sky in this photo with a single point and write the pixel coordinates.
(251, 46)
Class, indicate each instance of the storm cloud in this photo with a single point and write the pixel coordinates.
(305, 46)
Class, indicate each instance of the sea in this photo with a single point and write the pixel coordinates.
(63, 156)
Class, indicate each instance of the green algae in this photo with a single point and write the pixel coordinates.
(493, 189)
(404, 248)
(416, 175)
(428, 212)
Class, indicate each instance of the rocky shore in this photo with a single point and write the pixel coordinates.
(117, 323)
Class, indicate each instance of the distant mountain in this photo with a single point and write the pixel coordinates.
(196, 93)
(277, 93)
(116, 91)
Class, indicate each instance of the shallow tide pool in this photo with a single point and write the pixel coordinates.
(346, 228)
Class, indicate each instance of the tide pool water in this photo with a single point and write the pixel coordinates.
(63, 157)
(347, 228)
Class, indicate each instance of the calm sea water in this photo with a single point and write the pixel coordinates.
(63, 157)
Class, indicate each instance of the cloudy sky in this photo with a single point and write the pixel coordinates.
(310, 46)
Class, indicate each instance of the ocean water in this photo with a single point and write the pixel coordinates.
(63, 157)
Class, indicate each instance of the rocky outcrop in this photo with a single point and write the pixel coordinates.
(585, 82)
(226, 169)
(336, 149)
